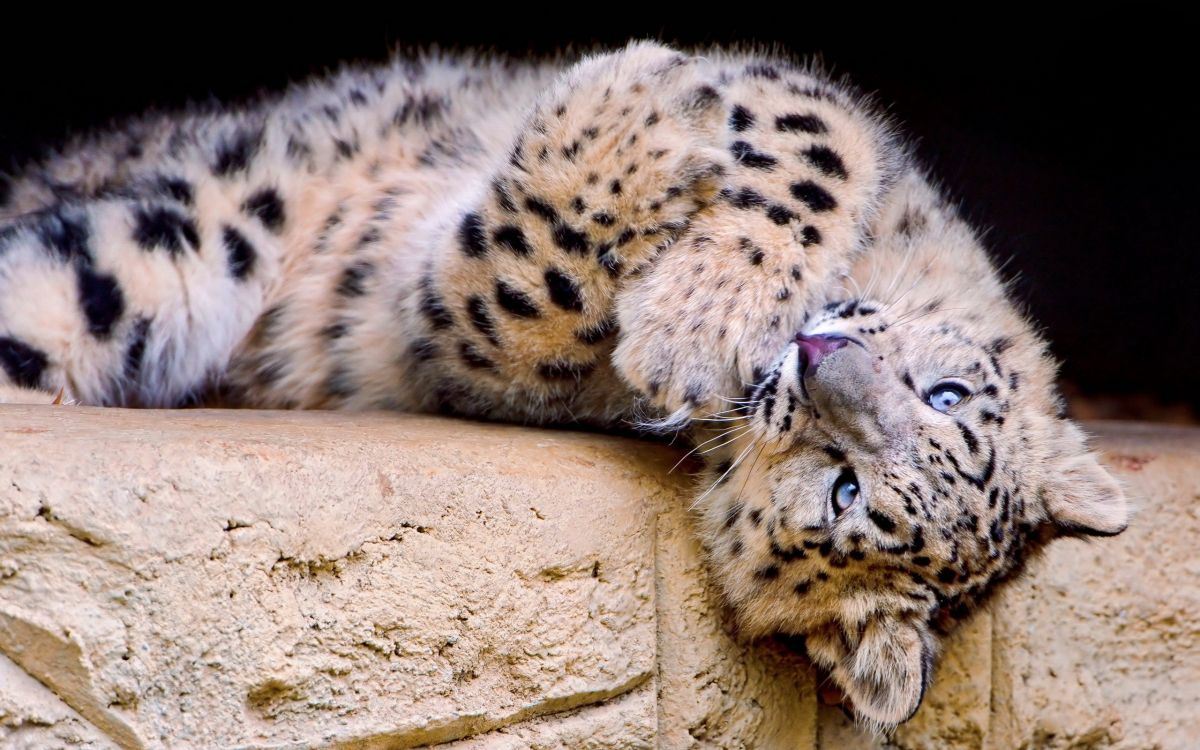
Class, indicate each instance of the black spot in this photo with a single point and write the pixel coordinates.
(747, 198)
(779, 214)
(503, 197)
(741, 119)
(614, 187)
(563, 290)
(570, 239)
(471, 237)
(22, 363)
(241, 254)
(946, 575)
(787, 554)
(796, 123)
(423, 350)
(802, 587)
(968, 437)
(921, 561)
(604, 219)
(918, 541)
(513, 238)
(479, 316)
(65, 235)
(704, 97)
(335, 331)
(999, 345)
(135, 351)
(101, 299)
(835, 453)
(597, 333)
(563, 370)
(826, 160)
(767, 572)
(610, 262)
(175, 188)
(433, 308)
(473, 359)
(234, 152)
(297, 149)
(421, 109)
(577, 205)
(885, 524)
(338, 384)
(733, 512)
(762, 70)
(266, 206)
(745, 154)
(541, 208)
(515, 301)
(813, 195)
(353, 281)
(626, 237)
(160, 226)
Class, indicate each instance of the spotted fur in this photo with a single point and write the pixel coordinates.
(634, 237)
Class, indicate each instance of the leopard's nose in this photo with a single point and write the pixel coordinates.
(815, 348)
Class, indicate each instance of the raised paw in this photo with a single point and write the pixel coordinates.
(712, 311)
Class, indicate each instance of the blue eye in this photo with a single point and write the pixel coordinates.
(943, 396)
(845, 492)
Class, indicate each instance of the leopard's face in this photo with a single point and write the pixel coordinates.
(894, 464)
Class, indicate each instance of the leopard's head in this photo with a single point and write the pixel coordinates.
(904, 454)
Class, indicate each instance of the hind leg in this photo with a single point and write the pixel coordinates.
(129, 301)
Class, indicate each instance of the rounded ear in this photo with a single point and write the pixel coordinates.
(1082, 498)
(885, 673)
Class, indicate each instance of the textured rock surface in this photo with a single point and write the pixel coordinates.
(242, 579)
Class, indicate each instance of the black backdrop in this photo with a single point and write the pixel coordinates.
(1075, 151)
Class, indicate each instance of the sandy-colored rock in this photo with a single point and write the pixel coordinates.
(33, 718)
(1099, 646)
(283, 580)
(222, 579)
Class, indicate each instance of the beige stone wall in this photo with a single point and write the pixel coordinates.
(284, 580)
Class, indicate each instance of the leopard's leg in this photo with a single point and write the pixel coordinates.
(514, 309)
(138, 299)
(689, 210)
(809, 167)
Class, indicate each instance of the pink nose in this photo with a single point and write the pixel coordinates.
(813, 349)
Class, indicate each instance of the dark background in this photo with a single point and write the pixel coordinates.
(1076, 152)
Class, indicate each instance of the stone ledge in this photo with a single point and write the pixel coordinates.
(263, 579)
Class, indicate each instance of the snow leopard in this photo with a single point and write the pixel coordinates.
(724, 243)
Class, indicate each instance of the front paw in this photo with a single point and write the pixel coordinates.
(704, 322)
